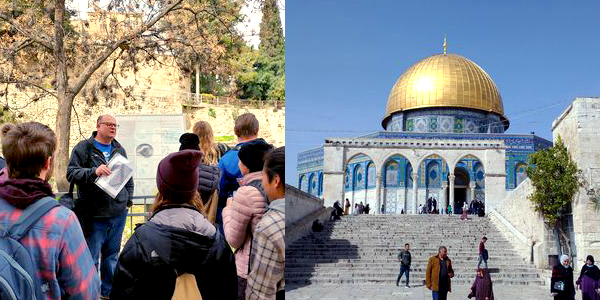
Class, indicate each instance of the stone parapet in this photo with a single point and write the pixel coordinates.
(299, 204)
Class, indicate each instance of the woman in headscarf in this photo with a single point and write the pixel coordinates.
(561, 283)
(464, 211)
(482, 286)
(589, 280)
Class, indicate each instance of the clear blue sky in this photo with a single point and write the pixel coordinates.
(343, 57)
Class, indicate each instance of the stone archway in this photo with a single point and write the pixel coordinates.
(461, 185)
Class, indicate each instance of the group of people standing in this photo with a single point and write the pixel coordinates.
(210, 200)
(439, 273)
(562, 286)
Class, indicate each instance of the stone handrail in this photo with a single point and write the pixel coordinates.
(299, 204)
(521, 237)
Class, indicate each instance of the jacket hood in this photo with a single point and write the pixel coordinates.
(180, 248)
(21, 192)
(250, 177)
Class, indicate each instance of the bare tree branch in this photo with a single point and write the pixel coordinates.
(27, 83)
(38, 38)
(87, 73)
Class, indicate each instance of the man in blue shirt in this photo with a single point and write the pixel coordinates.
(102, 216)
(246, 129)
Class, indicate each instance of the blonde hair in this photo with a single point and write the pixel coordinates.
(160, 201)
(207, 142)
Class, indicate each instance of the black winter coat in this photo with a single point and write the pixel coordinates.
(155, 254)
(560, 273)
(93, 201)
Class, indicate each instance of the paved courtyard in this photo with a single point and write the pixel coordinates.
(383, 292)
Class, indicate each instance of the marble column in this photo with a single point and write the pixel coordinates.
(377, 209)
(472, 186)
(451, 198)
(415, 191)
(442, 200)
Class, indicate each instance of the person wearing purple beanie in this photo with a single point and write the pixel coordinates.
(176, 240)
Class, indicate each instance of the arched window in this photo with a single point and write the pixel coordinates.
(347, 179)
(311, 185)
(434, 174)
(391, 173)
(359, 177)
(320, 184)
(371, 175)
(302, 184)
(520, 173)
(479, 174)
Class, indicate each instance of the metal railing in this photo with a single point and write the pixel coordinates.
(191, 99)
(138, 213)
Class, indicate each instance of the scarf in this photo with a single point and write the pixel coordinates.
(591, 271)
(21, 192)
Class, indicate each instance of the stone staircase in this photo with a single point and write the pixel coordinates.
(363, 250)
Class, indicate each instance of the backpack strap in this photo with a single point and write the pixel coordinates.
(258, 185)
(30, 216)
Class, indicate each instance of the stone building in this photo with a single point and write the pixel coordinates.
(516, 216)
(443, 139)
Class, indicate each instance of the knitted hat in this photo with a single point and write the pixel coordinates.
(189, 141)
(252, 154)
(177, 176)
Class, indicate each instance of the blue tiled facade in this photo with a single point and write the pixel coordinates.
(445, 121)
(434, 170)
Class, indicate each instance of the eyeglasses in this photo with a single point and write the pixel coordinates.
(111, 125)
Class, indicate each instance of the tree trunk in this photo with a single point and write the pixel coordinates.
(197, 83)
(65, 100)
(562, 239)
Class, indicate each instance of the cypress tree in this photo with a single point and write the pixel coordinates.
(272, 41)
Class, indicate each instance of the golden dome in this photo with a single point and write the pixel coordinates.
(445, 81)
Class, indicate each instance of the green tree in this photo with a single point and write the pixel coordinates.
(556, 179)
(271, 32)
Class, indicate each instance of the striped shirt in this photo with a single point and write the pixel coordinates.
(59, 253)
(267, 261)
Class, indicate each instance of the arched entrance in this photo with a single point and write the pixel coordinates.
(461, 184)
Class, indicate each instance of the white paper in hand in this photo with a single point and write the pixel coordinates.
(121, 172)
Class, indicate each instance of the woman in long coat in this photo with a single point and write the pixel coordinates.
(482, 286)
(561, 283)
(589, 280)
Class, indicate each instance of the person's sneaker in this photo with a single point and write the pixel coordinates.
(104, 298)
(397, 284)
(406, 286)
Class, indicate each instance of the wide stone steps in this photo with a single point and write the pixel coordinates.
(363, 250)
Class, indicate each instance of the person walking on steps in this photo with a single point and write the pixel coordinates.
(483, 254)
(405, 260)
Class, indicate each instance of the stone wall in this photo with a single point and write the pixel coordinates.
(578, 128)
(301, 209)
(523, 226)
(83, 115)
(299, 204)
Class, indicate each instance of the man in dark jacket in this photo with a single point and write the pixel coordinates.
(102, 216)
(405, 260)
